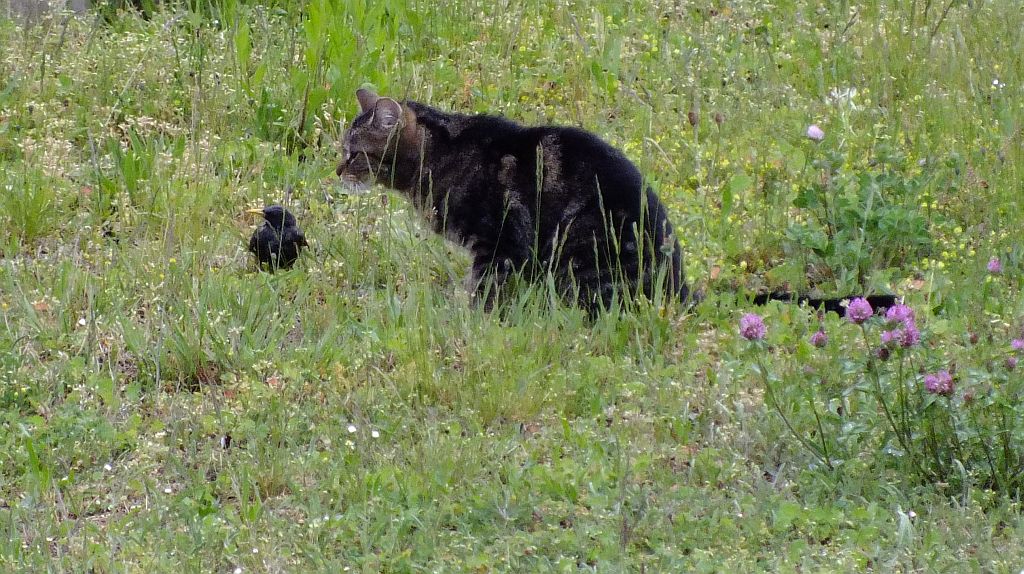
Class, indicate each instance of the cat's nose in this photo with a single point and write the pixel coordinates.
(345, 156)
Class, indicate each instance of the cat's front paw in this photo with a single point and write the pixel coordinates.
(484, 297)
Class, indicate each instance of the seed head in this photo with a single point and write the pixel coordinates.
(819, 339)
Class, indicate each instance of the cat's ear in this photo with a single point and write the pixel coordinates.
(386, 113)
(367, 99)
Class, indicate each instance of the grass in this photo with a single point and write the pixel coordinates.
(165, 407)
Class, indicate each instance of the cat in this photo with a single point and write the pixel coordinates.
(530, 201)
(522, 200)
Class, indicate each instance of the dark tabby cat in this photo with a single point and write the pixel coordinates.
(521, 199)
(526, 200)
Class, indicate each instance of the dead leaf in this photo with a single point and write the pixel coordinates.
(529, 429)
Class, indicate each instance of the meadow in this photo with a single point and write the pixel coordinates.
(166, 407)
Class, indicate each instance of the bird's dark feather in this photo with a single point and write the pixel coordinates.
(278, 242)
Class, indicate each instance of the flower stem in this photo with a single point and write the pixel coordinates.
(880, 396)
(770, 393)
(821, 432)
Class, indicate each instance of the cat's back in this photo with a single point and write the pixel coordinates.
(574, 160)
(575, 144)
(463, 130)
(585, 161)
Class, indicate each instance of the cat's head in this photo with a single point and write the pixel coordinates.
(378, 144)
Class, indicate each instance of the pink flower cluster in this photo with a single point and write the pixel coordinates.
(752, 327)
(905, 334)
(1017, 345)
(859, 310)
(940, 383)
(995, 266)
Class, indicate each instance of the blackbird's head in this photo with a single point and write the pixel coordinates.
(278, 217)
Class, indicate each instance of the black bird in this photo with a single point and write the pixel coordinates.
(278, 241)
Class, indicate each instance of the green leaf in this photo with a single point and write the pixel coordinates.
(809, 237)
(786, 514)
(808, 198)
(739, 184)
(104, 387)
(796, 161)
(243, 47)
(939, 327)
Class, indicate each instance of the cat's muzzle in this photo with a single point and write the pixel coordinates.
(353, 181)
(354, 184)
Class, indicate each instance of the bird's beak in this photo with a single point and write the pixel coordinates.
(255, 210)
